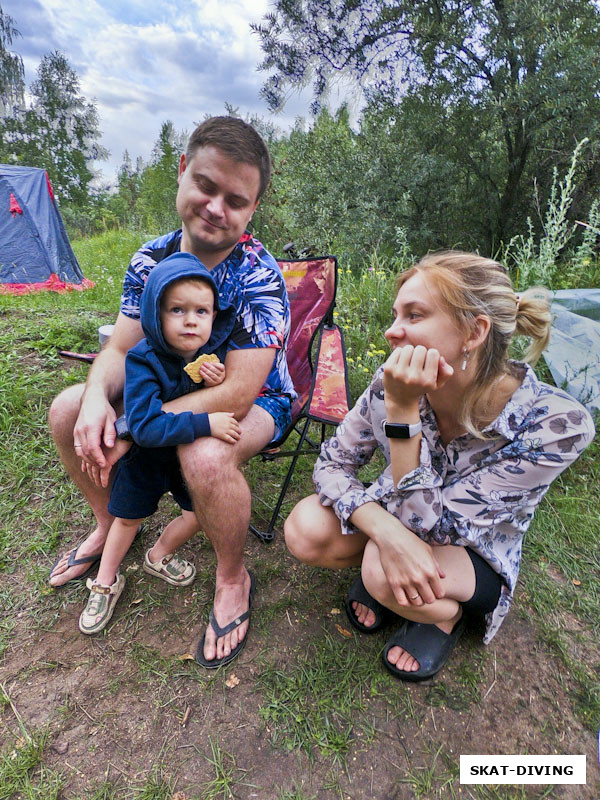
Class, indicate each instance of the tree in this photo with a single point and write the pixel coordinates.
(11, 66)
(514, 82)
(58, 131)
(158, 184)
(122, 204)
(319, 195)
(64, 128)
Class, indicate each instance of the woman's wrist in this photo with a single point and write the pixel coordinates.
(378, 524)
(402, 412)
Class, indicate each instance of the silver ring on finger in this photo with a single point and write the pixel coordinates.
(415, 597)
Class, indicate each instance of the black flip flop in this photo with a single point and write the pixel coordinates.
(426, 643)
(220, 662)
(74, 562)
(359, 594)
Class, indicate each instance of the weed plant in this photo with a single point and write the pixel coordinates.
(22, 771)
(364, 312)
(296, 793)
(226, 778)
(546, 262)
(317, 703)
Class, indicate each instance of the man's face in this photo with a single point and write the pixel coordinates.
(216, 200)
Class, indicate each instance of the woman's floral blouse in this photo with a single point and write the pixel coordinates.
(472, 492)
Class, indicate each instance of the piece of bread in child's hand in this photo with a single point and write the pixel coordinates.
(193, 368)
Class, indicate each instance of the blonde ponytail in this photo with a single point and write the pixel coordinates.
(533, 320)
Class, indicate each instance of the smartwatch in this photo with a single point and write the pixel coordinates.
(400, 430)
(122, 429)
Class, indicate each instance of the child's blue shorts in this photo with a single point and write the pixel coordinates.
(143, 475)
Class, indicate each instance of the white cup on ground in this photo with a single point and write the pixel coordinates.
(104, 334)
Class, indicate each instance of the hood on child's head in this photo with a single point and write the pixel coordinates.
(175, 268)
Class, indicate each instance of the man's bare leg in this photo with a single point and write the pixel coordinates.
(62, 417)
(222, 501)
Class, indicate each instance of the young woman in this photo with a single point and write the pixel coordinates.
(471, 440)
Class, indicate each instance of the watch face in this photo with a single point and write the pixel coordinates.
(396, 430)
(400, 430)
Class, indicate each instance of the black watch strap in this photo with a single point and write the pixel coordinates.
(122, 429)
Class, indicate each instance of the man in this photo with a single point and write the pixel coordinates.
(222, 175)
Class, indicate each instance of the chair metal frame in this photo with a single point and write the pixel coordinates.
(305, 415)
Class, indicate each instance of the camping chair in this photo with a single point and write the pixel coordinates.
(317, 363)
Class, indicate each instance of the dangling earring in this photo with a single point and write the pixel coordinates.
(466, 356)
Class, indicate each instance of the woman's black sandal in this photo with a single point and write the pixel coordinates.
(358, 594)
(427, 644)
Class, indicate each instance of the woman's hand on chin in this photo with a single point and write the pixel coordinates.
(411, 372)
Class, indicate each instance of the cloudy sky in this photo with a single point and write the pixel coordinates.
(145, 61)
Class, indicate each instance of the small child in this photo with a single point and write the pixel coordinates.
(181, 319)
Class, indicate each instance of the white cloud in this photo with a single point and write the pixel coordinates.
(144, 62)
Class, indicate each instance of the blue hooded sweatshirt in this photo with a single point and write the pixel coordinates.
(154, 373)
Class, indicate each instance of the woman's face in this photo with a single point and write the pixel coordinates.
(420, 318)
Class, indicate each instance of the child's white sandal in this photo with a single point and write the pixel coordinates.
(101, 604)
(171, 568)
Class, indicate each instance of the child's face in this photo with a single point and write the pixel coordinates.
(186, 317)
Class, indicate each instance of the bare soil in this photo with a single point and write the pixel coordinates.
(119, 704)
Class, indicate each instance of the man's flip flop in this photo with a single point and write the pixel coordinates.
(74, 562)
(219, 662)
(427, 644)
(359, 594)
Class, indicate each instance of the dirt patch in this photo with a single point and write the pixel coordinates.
(120, 704)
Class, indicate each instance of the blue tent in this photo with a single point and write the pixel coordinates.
(573, 352)
(34, 247)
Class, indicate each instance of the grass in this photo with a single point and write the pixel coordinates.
(427, 779)
(223, 786)
(296, 793)
(561, 575)
(22, 771)
(462, 693)
(23, 774)
(334, 681)
(321, 703)
(154, 787)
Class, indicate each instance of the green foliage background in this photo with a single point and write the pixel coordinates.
(470, 115)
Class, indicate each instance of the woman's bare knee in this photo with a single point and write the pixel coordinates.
(305, 534)
(313, 535)
(373, 575)
(293, 530)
